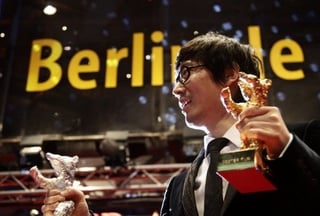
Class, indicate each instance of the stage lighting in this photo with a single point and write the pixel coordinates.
(31, 156)
(49, 9)
(31, 153)
(114, 148)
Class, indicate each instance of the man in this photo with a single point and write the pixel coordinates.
(206, 65)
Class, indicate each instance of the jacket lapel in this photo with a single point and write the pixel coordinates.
(188, 200)
(231, 192)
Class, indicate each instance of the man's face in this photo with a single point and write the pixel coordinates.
(198, 95)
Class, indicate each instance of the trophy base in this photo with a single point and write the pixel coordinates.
(239, 169)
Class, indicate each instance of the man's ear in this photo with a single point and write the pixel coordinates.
(231, 76)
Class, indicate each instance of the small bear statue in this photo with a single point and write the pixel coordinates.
(64, 167)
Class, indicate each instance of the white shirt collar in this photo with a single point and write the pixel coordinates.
(232, 134)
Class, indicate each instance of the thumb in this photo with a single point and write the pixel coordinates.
(73, 194)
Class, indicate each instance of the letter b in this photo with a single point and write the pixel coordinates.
(36, 62)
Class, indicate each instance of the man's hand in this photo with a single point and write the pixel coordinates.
(266, 125)
(55, 196)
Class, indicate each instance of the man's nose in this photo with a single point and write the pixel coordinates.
(178, 89)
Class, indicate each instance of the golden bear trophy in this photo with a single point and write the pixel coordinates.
(244, 168)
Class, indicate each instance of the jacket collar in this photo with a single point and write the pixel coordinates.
(188, 200)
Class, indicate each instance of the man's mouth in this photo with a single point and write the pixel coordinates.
(184, 103)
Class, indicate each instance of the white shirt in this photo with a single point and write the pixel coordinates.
(234, 136)
(235, 141)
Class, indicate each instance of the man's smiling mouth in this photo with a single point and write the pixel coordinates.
(184, 103)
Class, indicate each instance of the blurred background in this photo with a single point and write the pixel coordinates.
(93, 78)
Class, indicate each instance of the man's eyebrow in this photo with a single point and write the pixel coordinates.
(187, 64)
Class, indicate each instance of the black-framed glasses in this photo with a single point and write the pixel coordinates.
(185, 72)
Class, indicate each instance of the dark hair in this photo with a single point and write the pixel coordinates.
(219, 52)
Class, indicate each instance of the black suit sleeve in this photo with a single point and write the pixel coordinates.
(308, 132)
(299, 168)
(165, 207)
(172, 201)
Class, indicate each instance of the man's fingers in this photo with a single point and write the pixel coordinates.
(254, 111)
(48, 209)
(51, 201)
(73, 194)
(57, 197)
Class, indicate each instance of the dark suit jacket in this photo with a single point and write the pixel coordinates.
(296, 176)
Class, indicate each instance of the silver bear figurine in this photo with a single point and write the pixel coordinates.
(64, 167)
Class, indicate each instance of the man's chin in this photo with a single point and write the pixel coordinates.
(196, 127)
(191, 124)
